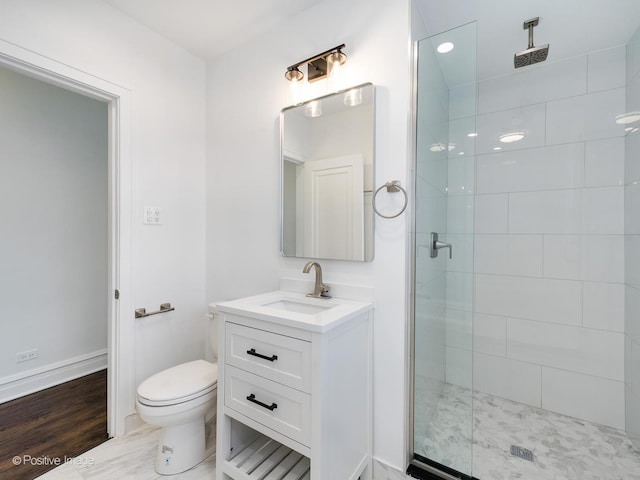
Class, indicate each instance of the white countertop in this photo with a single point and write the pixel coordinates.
(296, 310)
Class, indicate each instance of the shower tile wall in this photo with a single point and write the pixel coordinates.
(549, 236)
(632, 250)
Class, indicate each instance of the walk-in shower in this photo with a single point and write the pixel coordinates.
(526, 342)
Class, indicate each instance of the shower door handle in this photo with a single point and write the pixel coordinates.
(437, 245)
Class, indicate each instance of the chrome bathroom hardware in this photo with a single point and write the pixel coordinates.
(392, 186)
(165, 307)
(437, 245)
(320, 290)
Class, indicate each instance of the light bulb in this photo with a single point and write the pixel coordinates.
(313, 109)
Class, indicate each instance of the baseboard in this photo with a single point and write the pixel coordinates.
(31, 381)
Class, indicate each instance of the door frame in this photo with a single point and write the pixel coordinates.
(121, 328)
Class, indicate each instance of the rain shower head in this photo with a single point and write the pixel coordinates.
(532, 54)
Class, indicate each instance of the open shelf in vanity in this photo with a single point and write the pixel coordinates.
(294, 389)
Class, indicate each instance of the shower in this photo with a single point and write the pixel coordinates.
(523, 338)
(532, 54)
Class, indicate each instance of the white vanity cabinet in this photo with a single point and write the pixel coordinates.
(294, 389)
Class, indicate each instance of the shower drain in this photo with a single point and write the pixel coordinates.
(522, 452)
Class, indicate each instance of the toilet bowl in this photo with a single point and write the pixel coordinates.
(178, 400)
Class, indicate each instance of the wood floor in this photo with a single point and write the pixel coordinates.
(61, 421)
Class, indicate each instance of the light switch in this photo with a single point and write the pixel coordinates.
(152, 216)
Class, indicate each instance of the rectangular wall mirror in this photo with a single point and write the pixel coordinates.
(327, 150)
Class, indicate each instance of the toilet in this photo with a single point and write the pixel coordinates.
(178, 400)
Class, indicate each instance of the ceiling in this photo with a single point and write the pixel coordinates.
(570, 27)
(208, 28)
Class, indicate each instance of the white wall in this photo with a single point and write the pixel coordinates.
(549, 243)
(246, 90)
(632, 245)
(168, 96)
(53, 206)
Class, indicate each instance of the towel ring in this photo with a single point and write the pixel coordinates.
(392, 186)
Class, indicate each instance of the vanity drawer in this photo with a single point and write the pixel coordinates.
(280, 408)
(279, 358)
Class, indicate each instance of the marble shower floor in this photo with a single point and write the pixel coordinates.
(130, 457)
(564, 448)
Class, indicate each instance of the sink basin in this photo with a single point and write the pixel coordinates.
(298, 307)
(296, 310)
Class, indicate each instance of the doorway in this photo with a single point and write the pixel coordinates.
(118, 285)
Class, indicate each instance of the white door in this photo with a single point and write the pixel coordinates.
(333, 213)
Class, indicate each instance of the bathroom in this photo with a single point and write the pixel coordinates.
(215, 171)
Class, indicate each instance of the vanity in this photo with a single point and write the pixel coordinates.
(294, 388)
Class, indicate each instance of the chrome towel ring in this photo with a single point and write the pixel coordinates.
(392, 186)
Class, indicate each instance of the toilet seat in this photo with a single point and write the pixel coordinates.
(179, 384)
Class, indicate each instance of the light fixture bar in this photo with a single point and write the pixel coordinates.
(316, 57)
(317, 65)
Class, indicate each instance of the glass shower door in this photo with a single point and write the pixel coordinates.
(443, 253)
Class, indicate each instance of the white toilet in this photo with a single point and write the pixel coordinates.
(178, 399)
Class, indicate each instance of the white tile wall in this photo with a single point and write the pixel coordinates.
(459, 367)
(562, 256)
(549, 211)
(606, 69)
(530, 120)
(632, 246)
(585, 117)
(509, 254)
(543, 168)
(518, 381)
(602, 258)
(549, 244)
(592, 352)
(462, 175)
(603, 210)
(490, 334)
(604, 162)
(595, 399)
(543, 299)
(603, 306)
(491, 213)
(551, 81)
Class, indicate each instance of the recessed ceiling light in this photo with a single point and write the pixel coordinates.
(445, 47)
(472, 134)
(511, 137)
(627, 118)
(437, 147)
(461, 153)
(497, 148)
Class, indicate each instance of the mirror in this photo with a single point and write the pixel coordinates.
(327, 150)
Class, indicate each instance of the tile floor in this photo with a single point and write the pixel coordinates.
(130, 457)
(564, 448)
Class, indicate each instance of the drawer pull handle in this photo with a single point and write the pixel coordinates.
(252, 398)
(272, 358)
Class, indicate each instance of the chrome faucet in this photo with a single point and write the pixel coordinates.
(320, 290)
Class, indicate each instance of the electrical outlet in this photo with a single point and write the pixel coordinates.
(152, 215)
(26, 356)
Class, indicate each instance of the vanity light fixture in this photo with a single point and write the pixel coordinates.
(318, 66)
(511, 137)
